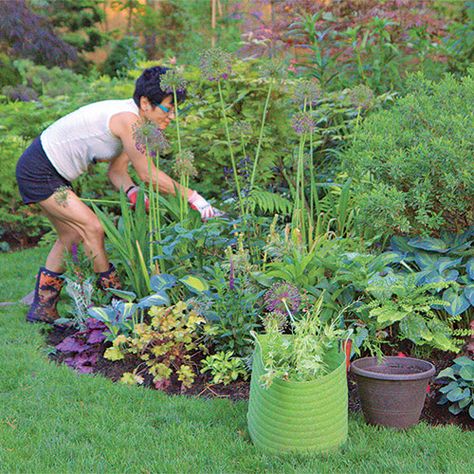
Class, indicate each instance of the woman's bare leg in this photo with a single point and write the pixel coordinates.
(74, 222)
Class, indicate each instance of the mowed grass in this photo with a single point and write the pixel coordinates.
(53, 420)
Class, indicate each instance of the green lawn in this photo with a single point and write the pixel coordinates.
(53, 420)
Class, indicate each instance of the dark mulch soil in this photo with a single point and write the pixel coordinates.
(433, 413)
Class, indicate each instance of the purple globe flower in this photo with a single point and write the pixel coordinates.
(215, 64)
(282, 297)
(302, 122)
(150, 139)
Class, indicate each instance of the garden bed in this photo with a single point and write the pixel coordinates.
(432, 414)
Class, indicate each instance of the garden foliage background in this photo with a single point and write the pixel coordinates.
(342, 129)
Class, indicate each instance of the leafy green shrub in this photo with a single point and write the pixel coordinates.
(460, 389)
(9, 75)
(125, 55)
(413, 164)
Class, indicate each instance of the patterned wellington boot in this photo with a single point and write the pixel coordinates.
(48, 287)
(109, 279)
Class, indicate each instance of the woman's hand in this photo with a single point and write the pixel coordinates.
(132, 196)
(198, 203)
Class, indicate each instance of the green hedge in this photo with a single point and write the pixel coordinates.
(413, 165)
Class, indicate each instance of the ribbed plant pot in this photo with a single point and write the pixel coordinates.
(392, 393)
(300, 417)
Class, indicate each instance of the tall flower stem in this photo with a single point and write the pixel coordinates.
(260, 137)
(183, 207)
(152, 219)
(313, 189)
(231, 152)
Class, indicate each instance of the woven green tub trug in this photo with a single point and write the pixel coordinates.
(299, 416)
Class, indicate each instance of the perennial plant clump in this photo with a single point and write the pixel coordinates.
(165, 345)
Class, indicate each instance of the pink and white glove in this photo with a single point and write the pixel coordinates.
(198, 203)
(132, 195)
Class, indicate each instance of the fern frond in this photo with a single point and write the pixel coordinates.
(269, 202)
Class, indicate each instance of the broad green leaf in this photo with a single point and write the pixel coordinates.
(464, 361)
(128, 309)
(126, 295)
(162, 282)
(458, 303)
(447, 373)
(455, 409)
(429, 243)
(471, 411)
(469, 294)
(157, 299)
(449, 387)
(195, 283)
(426, 261)
(465, 401)
(99, 313)
(445, 262)
(455, 395)
(470, 267)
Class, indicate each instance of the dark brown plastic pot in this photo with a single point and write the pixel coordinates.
(392, 393)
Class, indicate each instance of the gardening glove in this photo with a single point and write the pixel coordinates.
(198, 203)
(132, 196)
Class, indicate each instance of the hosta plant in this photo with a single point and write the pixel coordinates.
(449, 258)
(459, 388)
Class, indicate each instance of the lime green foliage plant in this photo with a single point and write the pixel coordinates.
(165, 345)
(412, 164)
(459, 388)
(224, 367)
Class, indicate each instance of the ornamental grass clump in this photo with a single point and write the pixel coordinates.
(300, 355)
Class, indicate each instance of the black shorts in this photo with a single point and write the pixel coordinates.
(36, 176)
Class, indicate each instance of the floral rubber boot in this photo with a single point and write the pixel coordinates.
(47, 289)
(109, 279)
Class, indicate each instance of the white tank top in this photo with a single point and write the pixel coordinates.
(76, 140)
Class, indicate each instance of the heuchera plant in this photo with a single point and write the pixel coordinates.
(84, 347)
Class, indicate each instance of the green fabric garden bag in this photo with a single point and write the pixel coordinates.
(300, 417)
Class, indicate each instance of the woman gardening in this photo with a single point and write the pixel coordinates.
(102, 131)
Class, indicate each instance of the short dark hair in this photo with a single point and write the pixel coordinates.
(148, 85)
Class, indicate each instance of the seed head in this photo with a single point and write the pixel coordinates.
(184, 164)
(302, 122)
(215, 64)
(362, 97)
(150, 139)
(307, 92)
(172, 80)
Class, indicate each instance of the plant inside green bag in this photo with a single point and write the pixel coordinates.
(300, 354)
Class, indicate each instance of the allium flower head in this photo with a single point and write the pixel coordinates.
(215, 64)
(273, 70)
(362, 97)
(242, 128)
(302, 122)
(307, 92)
(282, 297)
(150, 139)
(184, 164)
(172, 80)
